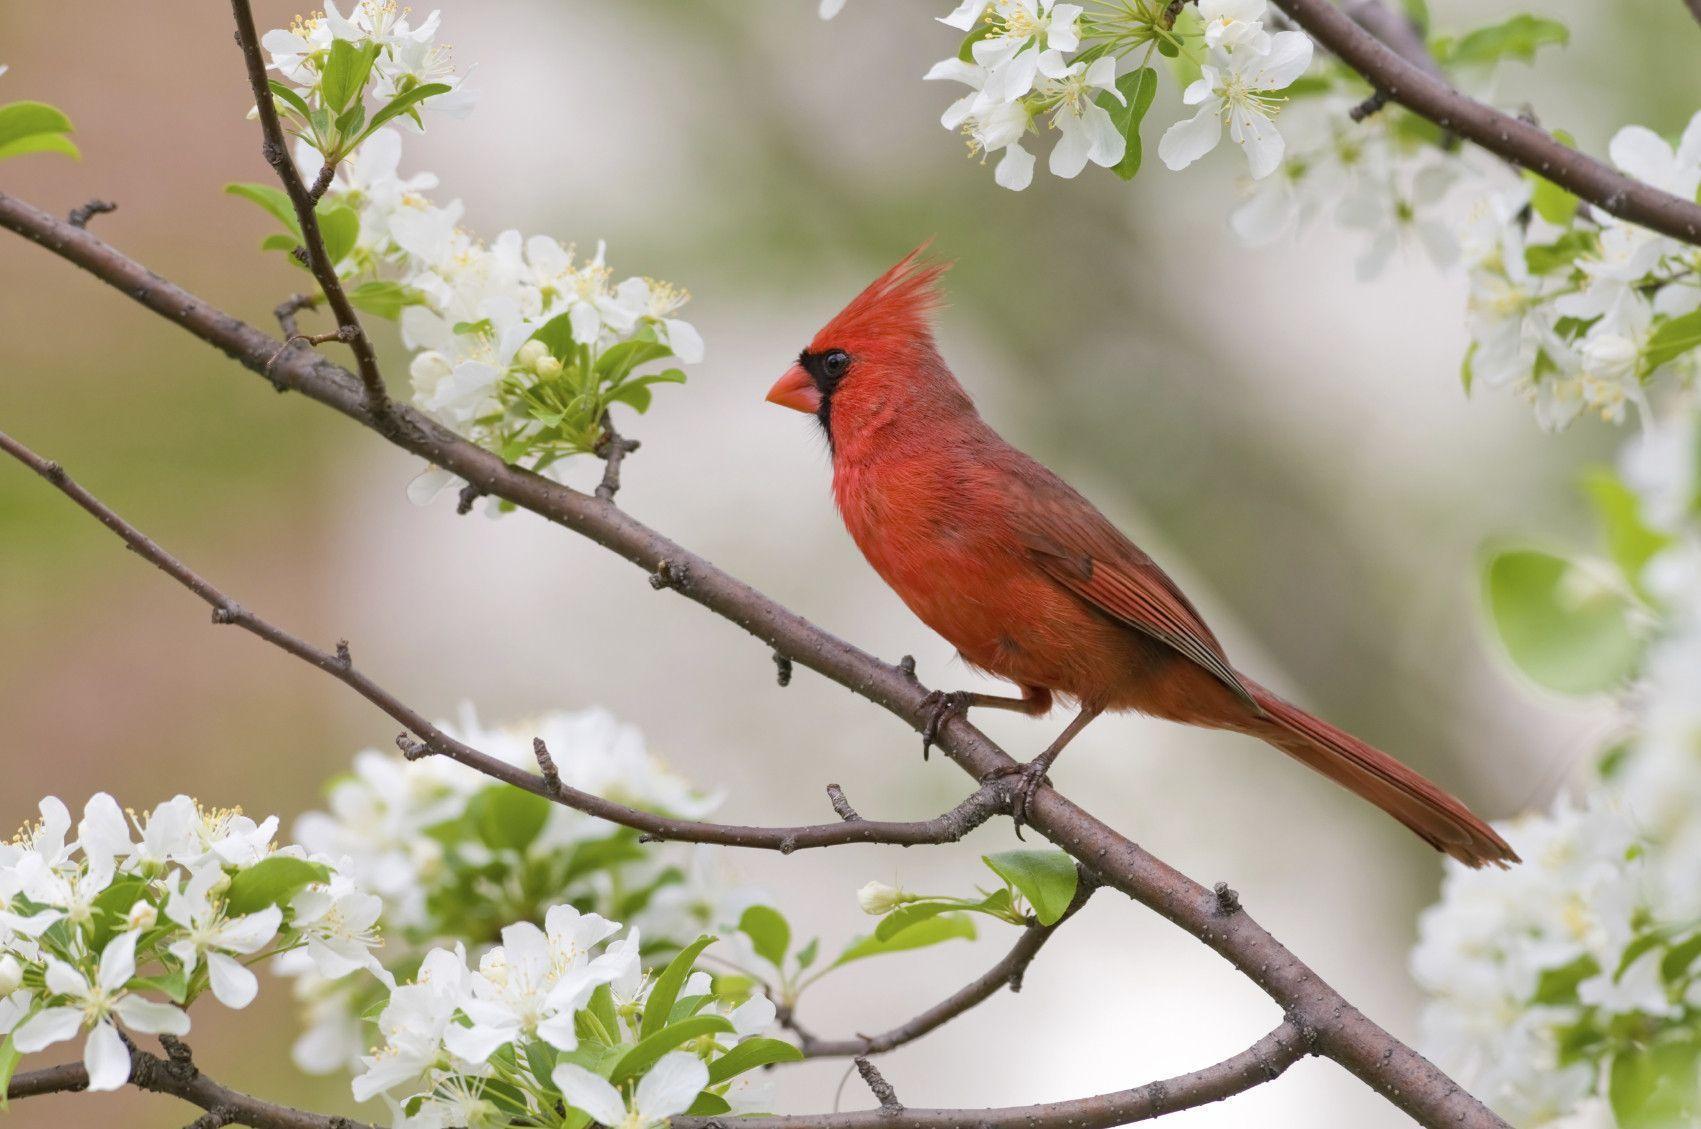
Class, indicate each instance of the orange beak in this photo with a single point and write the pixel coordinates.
(796, 390)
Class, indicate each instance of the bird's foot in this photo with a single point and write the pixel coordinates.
(1030, 777)
(940, 708)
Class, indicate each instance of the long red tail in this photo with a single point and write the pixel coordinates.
(1439, 819)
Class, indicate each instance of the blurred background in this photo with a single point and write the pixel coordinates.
(1293, 445)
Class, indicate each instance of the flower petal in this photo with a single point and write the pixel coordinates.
(670, 1087)
(106, 1058)
(1187, 141)
(589, 1092)
(234, 986)
(46, 1027)
(1016, 170)
(153, 1017)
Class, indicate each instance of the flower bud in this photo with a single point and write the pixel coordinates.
(142, 915)
(548, 367)
(11, 974)
(877, 898)
(531, 353)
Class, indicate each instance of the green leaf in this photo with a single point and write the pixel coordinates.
(768, 931)
(749, 1055)
(110, 908)
(34, 127)
(400, 104)
(271, 882)
(173, 984)
(1558, 986)
(945, 927)
(40, 143)
(1138, 88)
(1046, 878)
(659, 1007)
(1417, 11)
(966, 52)
(806, 955)
(1467, 375)
(1561, 254)
(650, 1048)
(291, 99)
(602, 1007)
(339, 225)
(1671, 340)
(913, 913)
(506, 818)
(1563, 630)
(9, 1056)
(1516, 38)
(557, 335)
(708, 1105)
(1675, 964)
(271, 199)
(1630, 542)
(347, 68)
(383, 298)
(618, 360)
(1654, 1086)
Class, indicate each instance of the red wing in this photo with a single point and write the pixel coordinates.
(1079, 548)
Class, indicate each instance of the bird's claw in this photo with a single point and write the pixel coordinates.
(940, 708)
(1032, 775)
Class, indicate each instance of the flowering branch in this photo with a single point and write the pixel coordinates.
(1339, 1030)
(1421, 91)
(305, 203)
(179, 1078)
(1262, 1062)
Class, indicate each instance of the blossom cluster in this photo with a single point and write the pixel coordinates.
(458, 858)
(1568, 990)
(1577, 310)
(520, 344)
(558, 1017)
(129, 919)
(1034, 63)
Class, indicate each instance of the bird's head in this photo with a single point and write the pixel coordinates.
(876, 355)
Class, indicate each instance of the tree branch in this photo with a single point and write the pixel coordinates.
(1528, 146)
(1007, 973)
(1694, 7)
(1342, 1032)
(305, 201)
(180, 1080)
(1262, 1062)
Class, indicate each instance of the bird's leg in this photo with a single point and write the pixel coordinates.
(941, 706)
(1033, 773)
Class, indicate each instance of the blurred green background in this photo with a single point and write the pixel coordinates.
(1293, 445)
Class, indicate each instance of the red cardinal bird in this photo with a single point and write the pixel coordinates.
(1028, 580)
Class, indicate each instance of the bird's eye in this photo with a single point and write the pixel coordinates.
(835, 363)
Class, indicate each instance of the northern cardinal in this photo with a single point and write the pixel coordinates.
(1028, 580)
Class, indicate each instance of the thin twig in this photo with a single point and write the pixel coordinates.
(276, 151)
(1262, 1062)
(877, 1084)
(1430, 96)
(1007, 973)
(1342, 1032)
(985, 802)
(613, 450)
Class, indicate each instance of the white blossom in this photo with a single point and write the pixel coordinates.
(1237, 88)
